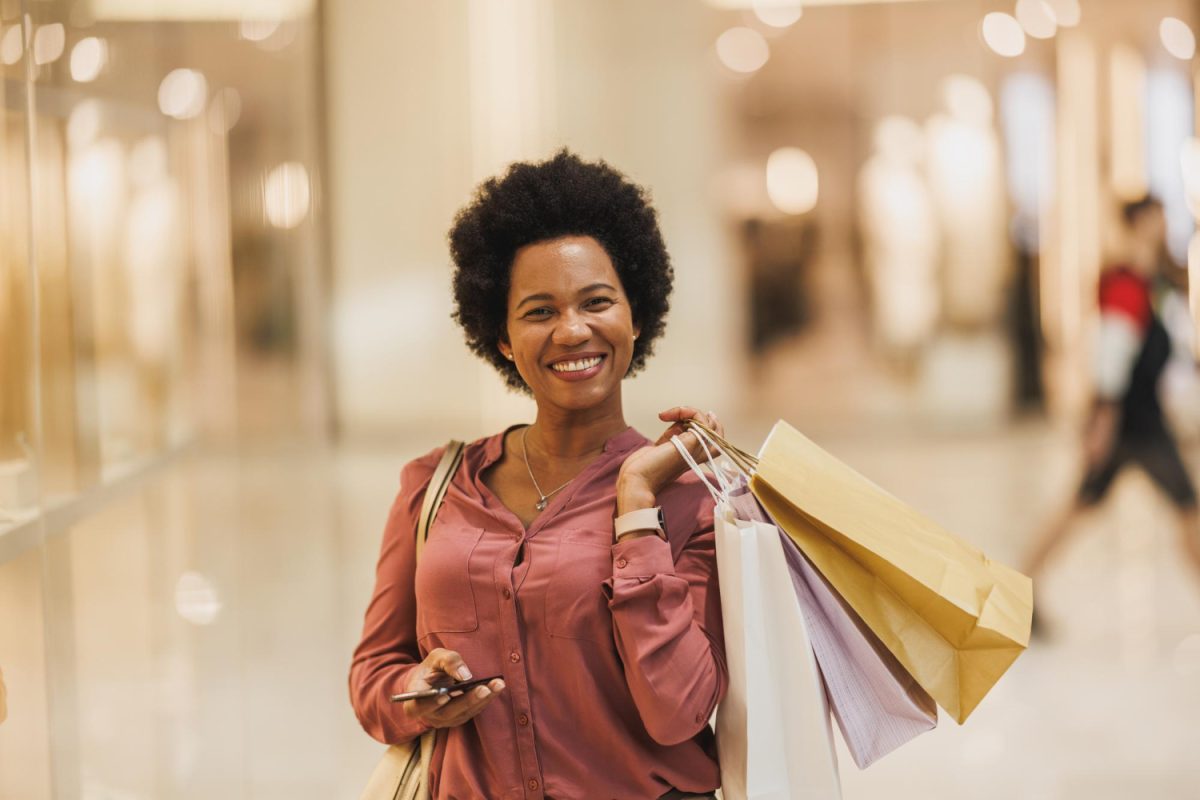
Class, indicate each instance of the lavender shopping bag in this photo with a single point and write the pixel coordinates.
(877, 704)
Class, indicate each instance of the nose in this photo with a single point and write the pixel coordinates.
(572, 329)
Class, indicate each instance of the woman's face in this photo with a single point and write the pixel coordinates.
(570, 327)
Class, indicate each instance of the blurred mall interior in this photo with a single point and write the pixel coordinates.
(225, 325)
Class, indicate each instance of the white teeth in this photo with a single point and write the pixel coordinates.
(575, 366)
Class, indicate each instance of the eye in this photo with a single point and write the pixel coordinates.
(537, 313)
(599, 302)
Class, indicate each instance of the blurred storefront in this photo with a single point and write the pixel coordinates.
(224, 305)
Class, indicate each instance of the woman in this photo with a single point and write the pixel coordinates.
(572, 556)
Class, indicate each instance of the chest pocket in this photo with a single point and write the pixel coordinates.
(576, 606)
(445, 596)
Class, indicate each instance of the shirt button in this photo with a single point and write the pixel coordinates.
(622, 563)
(514, 657)
(533, 784)
(507, 594)
(523, 720)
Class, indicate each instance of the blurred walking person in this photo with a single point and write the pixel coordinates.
(1127, 424)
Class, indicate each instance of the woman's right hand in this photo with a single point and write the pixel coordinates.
(443, 666)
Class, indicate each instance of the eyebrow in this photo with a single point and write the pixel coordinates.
(547, 296)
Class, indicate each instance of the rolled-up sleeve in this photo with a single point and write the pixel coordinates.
(388, 650)
(666, 610)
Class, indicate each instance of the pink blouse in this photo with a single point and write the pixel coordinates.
(612, 653)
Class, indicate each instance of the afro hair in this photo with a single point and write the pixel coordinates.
(538, 201)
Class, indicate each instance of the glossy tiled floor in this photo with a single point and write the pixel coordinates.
(201, 626)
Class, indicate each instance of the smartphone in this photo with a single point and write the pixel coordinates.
(452, 689)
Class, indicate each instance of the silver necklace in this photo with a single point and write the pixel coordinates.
(541, 504)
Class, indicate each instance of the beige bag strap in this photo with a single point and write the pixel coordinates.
(439, 483)
(403, 772)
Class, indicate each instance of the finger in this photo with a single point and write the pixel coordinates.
(463, 708)
(678, 413)
(449, 662)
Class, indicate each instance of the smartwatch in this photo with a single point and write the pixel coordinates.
(644, 519)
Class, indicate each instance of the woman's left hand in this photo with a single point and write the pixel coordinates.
(649, 470)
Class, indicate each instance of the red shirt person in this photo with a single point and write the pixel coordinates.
(1127, 426)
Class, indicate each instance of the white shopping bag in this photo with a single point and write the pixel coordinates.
(774, 738)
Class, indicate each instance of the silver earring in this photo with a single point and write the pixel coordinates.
(509, 356)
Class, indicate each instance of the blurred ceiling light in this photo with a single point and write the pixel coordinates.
(12, 45)
(778, 13)
(967, 100)
(83, 124)
(1003, 34)
(196, 599)
(1066, 12)
(286, 195)
(900, 139)
(88, 57)
(256, 30)
(1178, 38)
(225, 110)
(792, 180)
(743, 50)
(1037, 18)
(182, 93)
(49, 41)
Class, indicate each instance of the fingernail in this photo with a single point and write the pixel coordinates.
(482, 692)
(500, 686)
(443, 699)
(464, 674)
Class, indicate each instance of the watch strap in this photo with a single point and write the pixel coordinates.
(644, 519)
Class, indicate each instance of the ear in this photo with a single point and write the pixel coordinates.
(637, 331)
(505, 349)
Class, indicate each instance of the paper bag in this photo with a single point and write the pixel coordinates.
(953, 618)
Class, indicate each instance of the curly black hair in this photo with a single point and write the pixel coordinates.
(537, 201)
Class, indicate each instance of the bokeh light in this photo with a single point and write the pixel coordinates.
(49, 41)
(792, 180)
(88, 58)
(286, 194)
(257, 30)
(12, 45)
(778, 13)
(1037, 18)
(1177, 38)
(743, 50)
(183, 93)
(1003, 34)
(196, 599)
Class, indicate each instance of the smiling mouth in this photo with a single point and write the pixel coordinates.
(582, 365)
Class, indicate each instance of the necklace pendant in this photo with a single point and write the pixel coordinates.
(541, 504)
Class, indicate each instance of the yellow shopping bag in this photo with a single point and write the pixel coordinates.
(953, 618)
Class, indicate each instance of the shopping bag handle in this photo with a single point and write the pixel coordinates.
(717, 494)
(743, 460)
